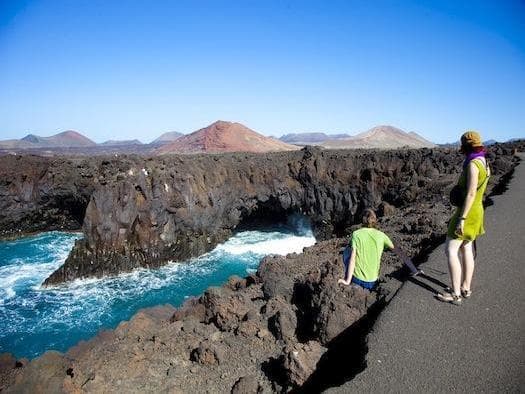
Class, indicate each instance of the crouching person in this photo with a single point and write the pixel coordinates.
(363, 258)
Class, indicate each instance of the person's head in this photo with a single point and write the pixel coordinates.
(471, 142)
(369, 218)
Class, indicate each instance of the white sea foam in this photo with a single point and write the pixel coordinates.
(9, 292)
(282, 245)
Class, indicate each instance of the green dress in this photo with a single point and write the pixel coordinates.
(473, 226)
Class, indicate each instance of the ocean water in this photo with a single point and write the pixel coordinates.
(34, 319)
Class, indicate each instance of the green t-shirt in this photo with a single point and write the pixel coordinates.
(369, 244)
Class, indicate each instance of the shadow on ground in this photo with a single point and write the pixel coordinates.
(345, 357)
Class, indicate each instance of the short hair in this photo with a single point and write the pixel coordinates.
(369, 218)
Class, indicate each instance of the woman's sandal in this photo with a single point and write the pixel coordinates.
(466, 293)
(449, 297)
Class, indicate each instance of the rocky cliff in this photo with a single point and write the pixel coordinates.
(42, 194)
(148, 211)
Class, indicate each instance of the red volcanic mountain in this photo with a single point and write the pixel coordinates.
(225, 137)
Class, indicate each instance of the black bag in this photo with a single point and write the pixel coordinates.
(457, 196)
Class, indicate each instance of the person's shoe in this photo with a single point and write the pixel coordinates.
(449, 297)
(466, 293)
(418, 272)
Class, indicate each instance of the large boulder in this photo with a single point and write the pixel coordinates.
(208, 353)
(300, 361)
(225, 308)
(246, 384)
(282, 319)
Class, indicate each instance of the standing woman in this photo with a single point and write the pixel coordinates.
(467, 222)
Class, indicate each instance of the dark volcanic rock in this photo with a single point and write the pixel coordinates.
(224, 308)
(329, 308)
(208, 353)
(149, 211)
(272, 272)
(38, 194)
(300, 361)
(282, 322)
(246, 384)
(143, 212)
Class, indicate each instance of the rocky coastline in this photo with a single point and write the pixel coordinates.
(144, 212)
(280, 329)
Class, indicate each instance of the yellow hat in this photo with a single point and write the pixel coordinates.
(471, 138)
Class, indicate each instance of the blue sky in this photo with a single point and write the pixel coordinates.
(136, 69)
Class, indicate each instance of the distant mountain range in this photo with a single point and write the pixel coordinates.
(224, 136)
(379, 137)
(220, 136)
(121, 142)
(65, 139)
(74, 143)
(382, 137)
(74, 139)
(311, 138)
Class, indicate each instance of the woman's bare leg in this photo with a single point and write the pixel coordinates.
(454, 265)
(467, 263)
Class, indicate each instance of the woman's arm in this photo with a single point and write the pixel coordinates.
(472, 186)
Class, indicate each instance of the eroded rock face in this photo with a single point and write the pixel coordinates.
(42, 194)
(143, 212)
(150, 211)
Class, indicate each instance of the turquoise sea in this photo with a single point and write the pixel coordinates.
(34, 319)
